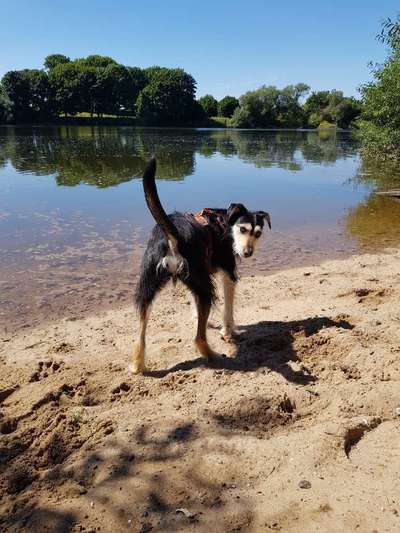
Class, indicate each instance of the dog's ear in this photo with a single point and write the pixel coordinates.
(234, 212)
(264, 215)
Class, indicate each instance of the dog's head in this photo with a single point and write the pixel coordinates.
(247, 227)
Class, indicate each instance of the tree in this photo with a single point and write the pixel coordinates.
(331, 106)
(380, 125)
(168, 99)
(126, 83)
(209, 105)
(346, 112)
(289, 110)
(139, 81)
(29, 92)
(97, 61)
(270, 107)
(66, 84)
(151, 73)
(5, 107)
(227, 106)
(96, 84)
(53, 60)
(314, 108)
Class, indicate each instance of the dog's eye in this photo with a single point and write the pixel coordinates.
(243, 230)
(257, 234)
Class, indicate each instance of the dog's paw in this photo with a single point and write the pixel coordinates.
(136, 368)
(205, 350)
(230, 334)
(138, 361)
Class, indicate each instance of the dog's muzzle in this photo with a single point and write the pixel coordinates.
(248, 252)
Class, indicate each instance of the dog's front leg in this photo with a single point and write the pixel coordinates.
(139, 364)
(228, 330)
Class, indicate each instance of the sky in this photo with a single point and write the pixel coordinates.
(229, 46)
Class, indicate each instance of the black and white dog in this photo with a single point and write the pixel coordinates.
(193, 248)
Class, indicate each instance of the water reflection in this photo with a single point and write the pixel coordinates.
(374, 223)
(381, 175)
(109, 156)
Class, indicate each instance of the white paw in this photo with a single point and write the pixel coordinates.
(229, 334)
(137, 368)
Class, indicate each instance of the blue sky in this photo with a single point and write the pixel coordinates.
(228, 46)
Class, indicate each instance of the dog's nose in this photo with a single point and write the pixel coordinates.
(248, 253)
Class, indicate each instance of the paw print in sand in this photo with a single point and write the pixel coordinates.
(44, 369)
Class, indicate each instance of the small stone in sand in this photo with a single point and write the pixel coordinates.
(304, 484)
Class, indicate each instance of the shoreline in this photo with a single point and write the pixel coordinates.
(112, 287)
(133, 124)
(295, 428)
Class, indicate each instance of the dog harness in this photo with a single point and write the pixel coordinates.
(205, 218)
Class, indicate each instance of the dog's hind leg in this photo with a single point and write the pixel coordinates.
(203, 312)
(150, 282)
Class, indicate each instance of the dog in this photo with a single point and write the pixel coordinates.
(192, 249)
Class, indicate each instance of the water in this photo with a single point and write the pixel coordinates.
(73, 218)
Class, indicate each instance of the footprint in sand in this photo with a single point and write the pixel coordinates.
(44, 369)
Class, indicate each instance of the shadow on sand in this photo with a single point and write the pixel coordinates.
(265, 345)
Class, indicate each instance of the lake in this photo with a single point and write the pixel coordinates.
(73, 218)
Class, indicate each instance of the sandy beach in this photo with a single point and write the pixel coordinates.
(295, 429)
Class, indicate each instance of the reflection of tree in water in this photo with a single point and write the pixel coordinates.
(382, 175)
(374, 222)
(94, 156)
(108, 156)
(284, 149)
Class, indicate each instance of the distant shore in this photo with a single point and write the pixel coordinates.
(109, 121)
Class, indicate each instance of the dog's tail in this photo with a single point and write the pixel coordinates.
(173, 262)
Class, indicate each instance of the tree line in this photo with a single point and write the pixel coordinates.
(158, 96)
(271, 107)
(97, 85)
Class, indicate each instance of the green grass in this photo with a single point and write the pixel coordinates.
(325, 125)
(87, 115)
(220, 122)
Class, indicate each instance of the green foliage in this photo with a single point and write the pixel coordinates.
(30, 94)
(99, 85)
(5, 108)
(209, 105)
(97, 61)
(270, 107)
(380, 125)
(168, 98)
(219, 122)
(139, 81)
(96, 84)
(325, 125)
(331, 107)
(67, 85)
(227, 106)
(390, 33)
(53, 60)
